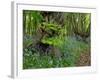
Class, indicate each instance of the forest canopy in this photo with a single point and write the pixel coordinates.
(55, 39)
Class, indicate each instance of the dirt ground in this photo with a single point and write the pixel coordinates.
(84, 59)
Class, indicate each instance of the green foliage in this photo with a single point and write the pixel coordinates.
(51, 26)
(55, 41)
(78, 23)
(48, 34)
(71, 50)
(27, 41)
(73, 47)
(36, 19)
(32, 20)
(56, 37)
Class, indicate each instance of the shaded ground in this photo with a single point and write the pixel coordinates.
(84, 59)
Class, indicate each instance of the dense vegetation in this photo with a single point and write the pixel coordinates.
(55, 39)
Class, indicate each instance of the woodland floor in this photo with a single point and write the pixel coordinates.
(84, 59)
(77, 56)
